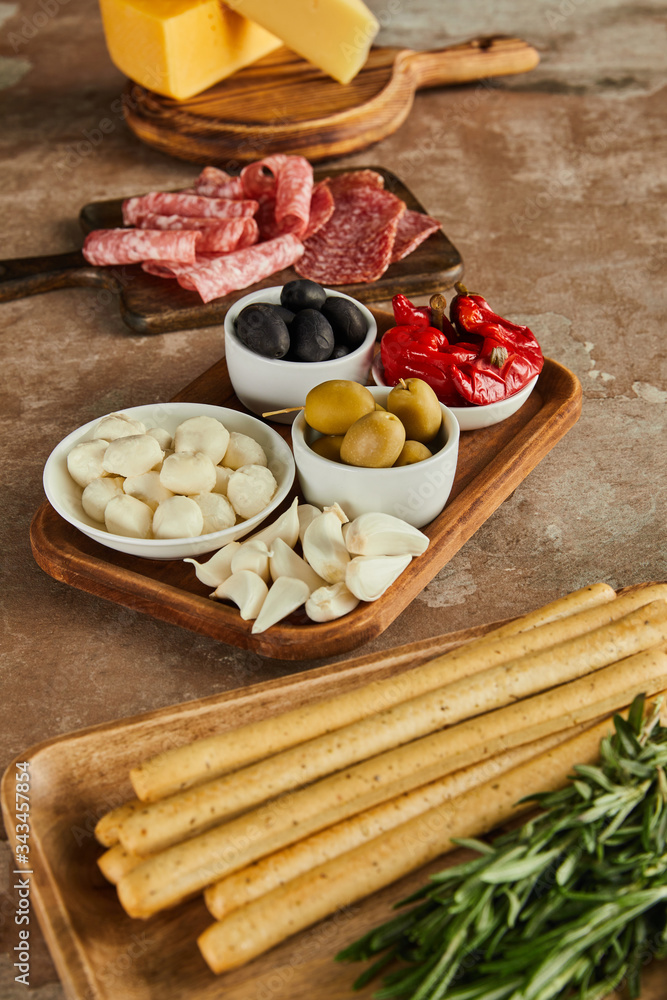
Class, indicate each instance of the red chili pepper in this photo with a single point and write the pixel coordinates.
(406, 314)
(496, 359)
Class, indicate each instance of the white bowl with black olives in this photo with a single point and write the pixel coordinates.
(281, 342)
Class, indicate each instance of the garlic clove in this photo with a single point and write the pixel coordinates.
(336, 509)
(246, 590)
(286, 527)
(368, 577)
(283, 561)
(328, 603)
(285, 596)
(376, 534)
(324, 548)
(218, 568)
(306, 512)
(252, 555)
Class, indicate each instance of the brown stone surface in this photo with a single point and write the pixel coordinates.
(552, 188)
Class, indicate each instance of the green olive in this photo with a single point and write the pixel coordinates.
(374, 441)
(328, 446)
(333, 406)
(418, 407)
(411, 452)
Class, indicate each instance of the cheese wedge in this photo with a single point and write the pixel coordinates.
(180, 47)
(334, 35)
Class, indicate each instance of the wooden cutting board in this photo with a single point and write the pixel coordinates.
(491, 464)
(102, 954)
(282, 104)
(156, 305)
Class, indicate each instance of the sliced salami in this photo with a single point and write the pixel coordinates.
(229, 235)
(104, 247)
(321, 208)
(177, 203)
(413, 229)
(357, 242)
(214, 183)
(216, 276)
(288, 182)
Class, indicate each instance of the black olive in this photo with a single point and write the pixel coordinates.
(286, 314)
(302, 294)
(311, 335)
(263, 330)
(347, 321)
(339, 351)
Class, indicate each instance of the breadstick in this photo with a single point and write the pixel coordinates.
(253, 929)
(117, 862)
(261, 877)
(106, 830)
(161, 824)
(182, 767)
(183, 870)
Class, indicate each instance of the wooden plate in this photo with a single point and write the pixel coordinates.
(492, 463)
(283, 104)
(102, 954)
(157, 305)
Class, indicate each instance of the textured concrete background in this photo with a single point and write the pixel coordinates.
(552, 187)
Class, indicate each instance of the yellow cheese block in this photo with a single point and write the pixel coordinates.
(180, 47)
(334, 35)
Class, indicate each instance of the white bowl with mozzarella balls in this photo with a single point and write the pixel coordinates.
(65, 494)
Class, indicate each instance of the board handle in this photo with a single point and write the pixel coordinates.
(473, 60)
(25, 276)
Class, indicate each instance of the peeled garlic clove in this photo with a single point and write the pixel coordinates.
(246, 590)
(330, 602)
(369, 576)
(286, 595)
(286, 527)
(252, 555)
(324, 548)
(376, 534)
(336, 509)
(219, 566)
(306, 512)
(283, 561)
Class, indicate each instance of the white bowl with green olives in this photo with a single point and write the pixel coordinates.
(281, 342)
(415, 492)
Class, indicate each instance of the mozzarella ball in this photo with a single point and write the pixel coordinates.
(117, 425)
(178, 517)
(250, 489)
(188, 473)
(163, 437)
(217, 510)
(132, 456)
(221, 479)
(243, 450)
(203, 434)
(85, 461)
(125, 515)
(147, 488)
(97, 494)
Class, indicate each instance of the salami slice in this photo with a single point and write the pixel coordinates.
(321, 208)
(167, 203)
(413, 229)
(216, 235)
(214, 183)
(288, 181)
(213, 277)
(104, 247)
(357, 242)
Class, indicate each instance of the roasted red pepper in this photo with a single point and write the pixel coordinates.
(496, 359)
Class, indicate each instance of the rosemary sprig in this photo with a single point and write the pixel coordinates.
(574, 902)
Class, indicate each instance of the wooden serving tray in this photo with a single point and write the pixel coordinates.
(157, 305)
(492, 462)
(283, 104)
(101, 953)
